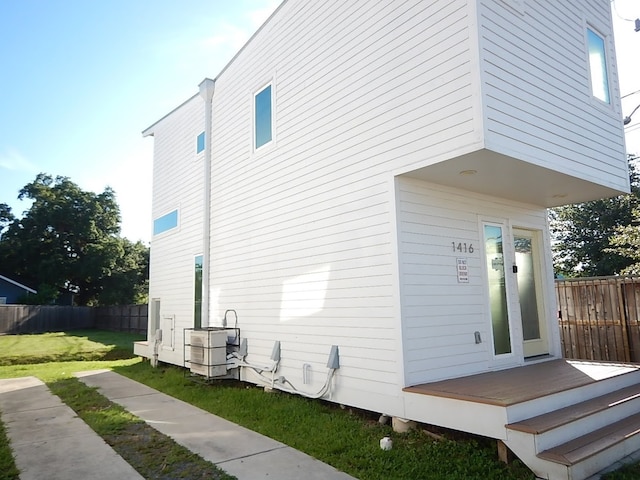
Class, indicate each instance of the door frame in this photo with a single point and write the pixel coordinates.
(544, 289)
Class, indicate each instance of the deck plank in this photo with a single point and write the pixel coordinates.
(520, 384)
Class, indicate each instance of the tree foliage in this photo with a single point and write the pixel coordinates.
(625, 242)
(6, 216)
(68, 243)
(582, 233)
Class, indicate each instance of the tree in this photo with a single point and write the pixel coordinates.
(68, 241)
(582, 233)
(128, 282)
(6, 216)
(626, 242)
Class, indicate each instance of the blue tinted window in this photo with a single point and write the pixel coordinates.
(165, 222)
(200, 143)
(598, 66)
(263, 117)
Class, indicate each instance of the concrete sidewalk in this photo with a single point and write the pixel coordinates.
(240, 452)
(49, 441)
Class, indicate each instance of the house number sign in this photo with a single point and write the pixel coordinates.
(462, 247)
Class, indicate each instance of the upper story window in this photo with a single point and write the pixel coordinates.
(598, 66)
(165, 222)
(200, 143)
(263, 117)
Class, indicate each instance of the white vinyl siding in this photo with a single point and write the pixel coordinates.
(537, 93)
(177, 180)
(353, 105)
(439, 314)
(308, 245)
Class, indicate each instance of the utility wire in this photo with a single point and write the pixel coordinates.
(629, 94)
(615, 9)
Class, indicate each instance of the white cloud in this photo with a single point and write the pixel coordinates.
(12, 159)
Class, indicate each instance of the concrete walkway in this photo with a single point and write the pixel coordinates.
(49, 441)
(240, 452)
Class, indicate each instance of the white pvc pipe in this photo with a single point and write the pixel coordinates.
(207, 87)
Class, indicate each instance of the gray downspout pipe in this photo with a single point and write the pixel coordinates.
(207, 87)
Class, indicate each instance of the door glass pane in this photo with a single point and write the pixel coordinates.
(497, 289)
(527, 288)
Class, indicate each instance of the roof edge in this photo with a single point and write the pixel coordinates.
(17, 284)
(147, 132)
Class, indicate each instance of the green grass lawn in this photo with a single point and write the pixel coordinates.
(347, 439)
(54, 358)
(78, 345)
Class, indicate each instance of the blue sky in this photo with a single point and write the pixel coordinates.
(81, 79)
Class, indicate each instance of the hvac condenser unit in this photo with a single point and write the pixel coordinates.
(208, 352)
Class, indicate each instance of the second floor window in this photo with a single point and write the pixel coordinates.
(598, 66)
(263, 117)
(200, 143)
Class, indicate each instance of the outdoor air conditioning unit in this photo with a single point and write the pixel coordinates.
(208, 352)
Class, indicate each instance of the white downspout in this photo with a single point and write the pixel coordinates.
(207, 87)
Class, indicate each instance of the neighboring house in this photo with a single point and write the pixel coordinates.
(374, 176)
(12, 291)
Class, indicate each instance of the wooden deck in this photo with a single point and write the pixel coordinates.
(517, 385)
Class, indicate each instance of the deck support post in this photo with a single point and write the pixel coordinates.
(504, 455)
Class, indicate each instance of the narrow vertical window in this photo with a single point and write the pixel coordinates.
(200, 143)
(598, 66)
(262, 117)
(497, 289)
(197, 295)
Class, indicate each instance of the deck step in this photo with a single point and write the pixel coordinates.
(557, 418)
(581, 448)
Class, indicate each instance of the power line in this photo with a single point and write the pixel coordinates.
(615, 9)
(629, 94)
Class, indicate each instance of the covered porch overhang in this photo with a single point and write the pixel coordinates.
(490, 173)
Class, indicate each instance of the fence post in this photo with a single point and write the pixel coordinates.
(623, 319)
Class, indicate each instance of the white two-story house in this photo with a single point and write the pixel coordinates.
(365, 186)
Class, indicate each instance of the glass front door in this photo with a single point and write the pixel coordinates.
(494, 251)
(529, 293)
(513, 266)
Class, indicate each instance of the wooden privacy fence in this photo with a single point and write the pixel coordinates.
(599, 318)
(44, 318)
(52, 318)
(122, 318)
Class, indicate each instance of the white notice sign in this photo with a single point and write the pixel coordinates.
(463, 270)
